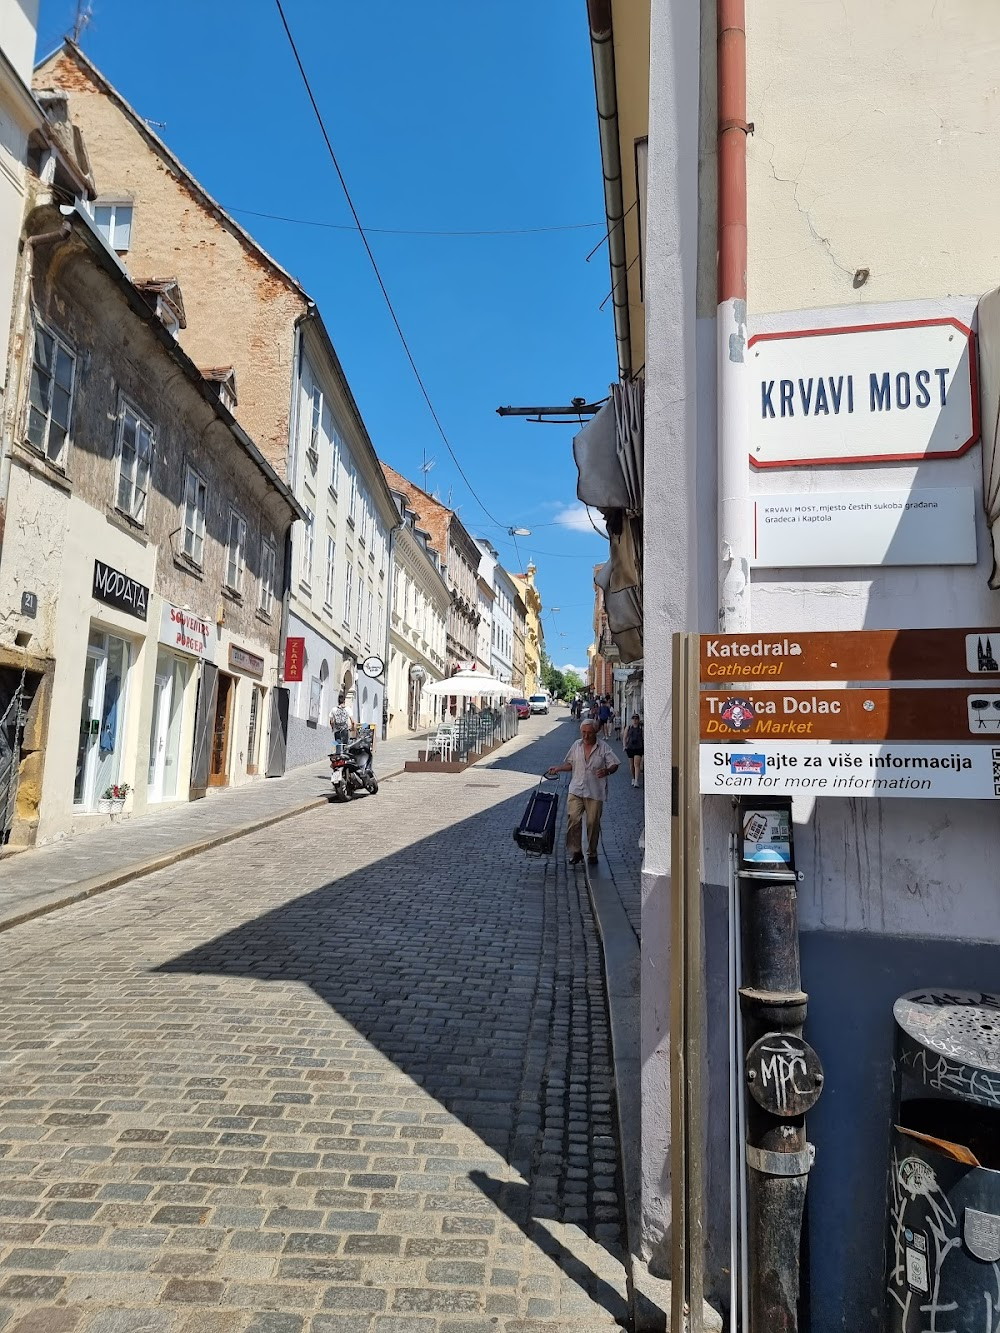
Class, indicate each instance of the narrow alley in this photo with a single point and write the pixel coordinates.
(351, 1072)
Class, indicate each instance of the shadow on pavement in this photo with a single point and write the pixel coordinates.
(478, 975)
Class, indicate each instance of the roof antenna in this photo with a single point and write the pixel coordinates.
(84, 13)
(426, 466)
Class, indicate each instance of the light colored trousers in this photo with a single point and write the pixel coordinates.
(578, 807)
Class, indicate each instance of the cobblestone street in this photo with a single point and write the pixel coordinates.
(349, 1074)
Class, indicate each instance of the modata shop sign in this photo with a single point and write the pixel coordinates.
(865, 393)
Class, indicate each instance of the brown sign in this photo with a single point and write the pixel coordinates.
(856, 655)
(950, 714)
(242, 660)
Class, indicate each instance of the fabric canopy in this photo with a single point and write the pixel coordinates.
(469, 684)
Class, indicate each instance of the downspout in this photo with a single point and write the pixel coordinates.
(390, 588)
(293, 428)
(734, 514)
(603, 52)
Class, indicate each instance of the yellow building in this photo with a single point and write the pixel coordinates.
(533, 633)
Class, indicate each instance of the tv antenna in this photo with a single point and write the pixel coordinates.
(426, 466)
(84, 13)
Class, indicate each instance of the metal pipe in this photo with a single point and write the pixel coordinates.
(603, 52)
(734, 515)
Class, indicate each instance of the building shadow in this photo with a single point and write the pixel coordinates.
(481, 979)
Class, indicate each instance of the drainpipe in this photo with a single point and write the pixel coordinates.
(734, 515)
(602, 49)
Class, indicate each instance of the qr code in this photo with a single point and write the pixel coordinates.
(996, 772)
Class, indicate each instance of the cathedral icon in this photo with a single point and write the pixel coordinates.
(984, 657)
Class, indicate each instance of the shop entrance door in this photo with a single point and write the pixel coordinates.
(165, 733)
(218, 774)
(102, 719)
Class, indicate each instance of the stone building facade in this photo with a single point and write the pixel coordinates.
(144, 553)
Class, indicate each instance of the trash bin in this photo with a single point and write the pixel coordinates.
(943, 1226)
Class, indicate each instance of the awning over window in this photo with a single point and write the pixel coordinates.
(608, 452)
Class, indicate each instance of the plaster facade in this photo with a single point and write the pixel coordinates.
(501, 638)
(421, 601)
(534, 635)
(518, 660)
(244, 311)
(19, 116)
(82, 507)
(855, 215)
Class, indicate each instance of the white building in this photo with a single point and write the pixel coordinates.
(418, 626)
(484, 630)
(341, 557)
(501, 637)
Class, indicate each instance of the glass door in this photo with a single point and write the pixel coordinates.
(102, 718)
(165, 730)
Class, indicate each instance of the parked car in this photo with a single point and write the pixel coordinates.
(539, 703)
(523, 708)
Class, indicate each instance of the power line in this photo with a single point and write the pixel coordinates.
(413, 231)
(375, 268)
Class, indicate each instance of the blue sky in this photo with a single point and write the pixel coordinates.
(460, 115)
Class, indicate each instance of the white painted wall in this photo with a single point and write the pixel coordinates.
(18, 23)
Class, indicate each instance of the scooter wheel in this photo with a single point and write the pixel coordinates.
(343, 794)
(371, 786)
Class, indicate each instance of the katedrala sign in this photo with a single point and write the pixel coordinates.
(867, 393)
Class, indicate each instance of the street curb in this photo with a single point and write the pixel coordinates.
(90, 888)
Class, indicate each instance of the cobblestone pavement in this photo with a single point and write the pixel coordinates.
(30, 879)
(350, 1074)
(621, 829)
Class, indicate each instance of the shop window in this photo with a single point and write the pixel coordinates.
(195, 493)
(50, 403)
(102, 719)
(267, 567)
(135, 452)
(237, 556)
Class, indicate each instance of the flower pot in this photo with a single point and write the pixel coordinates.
(103, 806)
(117, 806)
(108, 805)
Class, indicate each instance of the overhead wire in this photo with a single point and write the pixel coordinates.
(375, 268)
(414, 231)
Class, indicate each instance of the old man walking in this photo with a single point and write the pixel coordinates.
(591, 762)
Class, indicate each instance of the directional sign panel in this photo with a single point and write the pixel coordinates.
(951, 713)
(856, 655)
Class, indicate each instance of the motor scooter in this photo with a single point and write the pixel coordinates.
(351, 769)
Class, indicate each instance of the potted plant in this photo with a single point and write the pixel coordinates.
(112, 800)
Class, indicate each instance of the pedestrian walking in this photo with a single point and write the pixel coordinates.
(635, 747)
(591, 761)
(604, 714)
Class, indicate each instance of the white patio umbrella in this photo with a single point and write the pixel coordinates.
(469, 684)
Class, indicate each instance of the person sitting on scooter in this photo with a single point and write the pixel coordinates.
(341, 721)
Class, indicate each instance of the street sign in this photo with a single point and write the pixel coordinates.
(812, 530)
(825, 768)
(944, 714)
(852, 655)
(866, 393)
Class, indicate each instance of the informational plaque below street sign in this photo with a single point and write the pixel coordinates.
(949, 713)
(823, 768)
(852, 655)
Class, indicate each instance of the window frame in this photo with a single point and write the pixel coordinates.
(126, 408)
(235, 585)
(59, 344)
(114, 204)
(331, 557)
(268, 566)
(199, 536)
(308, 548)
(348, 595)
(358, 611)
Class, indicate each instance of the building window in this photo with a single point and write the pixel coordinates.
(114, 222)
(364, 518)
(348, 595)
(268, 556)
(312, 453)
(357, 609)
(135, 451)
(195, 492)
(308, 547)
(335, 450)
(237, 557)
(353, 506)
(50, 402)
(371, 609)
(331, 551)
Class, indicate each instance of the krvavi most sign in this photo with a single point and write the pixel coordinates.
(862, 394)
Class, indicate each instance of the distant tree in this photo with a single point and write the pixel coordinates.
(573, 684)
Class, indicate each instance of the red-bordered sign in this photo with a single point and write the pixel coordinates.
(852, 394)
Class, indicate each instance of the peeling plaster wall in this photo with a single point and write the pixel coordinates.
(873, 147)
